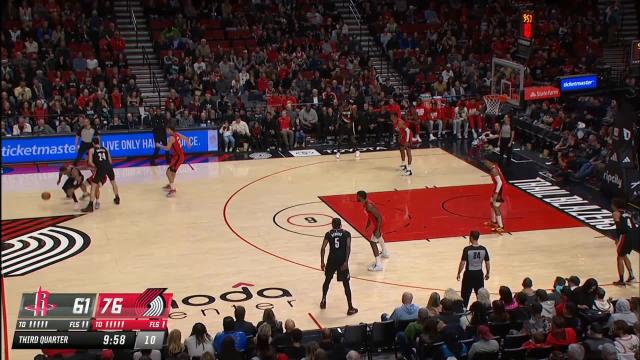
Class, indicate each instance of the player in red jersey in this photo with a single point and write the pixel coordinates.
(497, 198)
(476, 119)
(405, 139)
(374, 217)
(177, 156)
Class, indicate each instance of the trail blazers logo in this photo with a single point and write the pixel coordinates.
(151, 303)
(31, 244)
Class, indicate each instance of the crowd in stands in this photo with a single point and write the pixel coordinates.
(573, 321)
(63, 62)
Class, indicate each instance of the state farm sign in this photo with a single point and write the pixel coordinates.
(541, 92)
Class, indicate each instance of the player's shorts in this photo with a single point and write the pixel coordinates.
(332, 268)
(70, 184)
(101, 176)
(176, 161)
(376, 239)
(625, 245)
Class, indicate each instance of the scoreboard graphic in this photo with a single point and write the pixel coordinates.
(92, 321)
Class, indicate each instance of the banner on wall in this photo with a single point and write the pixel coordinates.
(541, 92)
(62, 148)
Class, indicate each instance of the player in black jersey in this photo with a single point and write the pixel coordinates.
(75, 180)
(471, 262)
(339, 242)
(628, 234)
(100, 160)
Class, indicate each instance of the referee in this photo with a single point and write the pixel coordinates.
(339, 242)
(471, 261)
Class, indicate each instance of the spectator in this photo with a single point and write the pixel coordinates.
(595, 341)
(537, 341)
(286, 130)
(63, 128)
(485, 343)
(326, 342)
(584, 296)
(42, 128)
(414, 329)
(353, 355)
(79, 63)
(571, 318)
(407, 311)
(228, 326)
(433, 305)
(228, 350)
(623, 312)
(175, 346)
(199, 342)
(227, 137)
(296, 350)
(241, 324)
(22, 127)
(609, 352)
(285, 339)
(310, 350)
(309, 119)
(241, 133)
(264, 350)
(499, 314)
(537, 322)
(452, 346)
(573, 282)
(478, 316)
(484, 297)
(522, 313)
(558, 284)
(600, 304)
(548, 307)
(269, 317)
(147, 354)
(560, 335)
(456, 300)
(626, 342)
(527, 289)
(575, 352)
(506, 298)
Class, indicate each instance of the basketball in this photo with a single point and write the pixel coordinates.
(46, 195)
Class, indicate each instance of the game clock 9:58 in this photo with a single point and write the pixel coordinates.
(118, 339)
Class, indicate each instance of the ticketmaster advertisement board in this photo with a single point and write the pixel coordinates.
(36, 149)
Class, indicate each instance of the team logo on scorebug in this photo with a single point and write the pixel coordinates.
(151, 303)
(31, 244)
(41, 304)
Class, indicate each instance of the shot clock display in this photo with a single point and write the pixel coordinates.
(635, 53)
(92, 321)
(526, 25)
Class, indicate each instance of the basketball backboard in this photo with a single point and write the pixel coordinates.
(507, 78)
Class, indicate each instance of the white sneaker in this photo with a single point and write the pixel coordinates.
(338, 155)
(357, 154)
(375, 267)
(432, 138)
(418, 139)
(403, 167)
(76, 206)
(475, 136)
(385, 255)
(407, 173)
(97, 205)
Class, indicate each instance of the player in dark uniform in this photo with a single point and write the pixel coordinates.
(75, 180)
(471, 262)
(339, 241)
(100, 159)
(628, 234)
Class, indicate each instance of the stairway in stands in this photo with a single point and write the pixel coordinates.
(615, 55)
(385, 70)
(134, 51)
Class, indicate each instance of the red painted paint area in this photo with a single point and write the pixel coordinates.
(422, 214)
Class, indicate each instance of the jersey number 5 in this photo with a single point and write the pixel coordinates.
(336, 242)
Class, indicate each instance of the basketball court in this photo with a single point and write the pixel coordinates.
(249, 233)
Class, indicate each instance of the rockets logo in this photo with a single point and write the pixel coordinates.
(41, 304)
(31, 244)
(151, 303)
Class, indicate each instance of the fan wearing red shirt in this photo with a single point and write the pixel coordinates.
(475, 118)
(286, 130)
(413, 123)
(405, 138)
(560, 336)
(392, 107)
(423, 111)
(177, 156)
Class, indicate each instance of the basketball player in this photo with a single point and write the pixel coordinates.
(471, 262)
(75, 180)
(497, 199)
(405, 139)
(628, 233)
(346, 127)
(177, 157)
(100, 159)
(339, 242)
(374, 217)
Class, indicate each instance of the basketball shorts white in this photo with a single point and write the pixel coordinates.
(377, 239)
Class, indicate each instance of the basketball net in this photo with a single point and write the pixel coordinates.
(494, 103)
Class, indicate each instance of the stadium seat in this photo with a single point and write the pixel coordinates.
(514, 354)
(355, 337)
(311, 335)
(500, 329)
(382, 337)
(540, 353)
(514, 341)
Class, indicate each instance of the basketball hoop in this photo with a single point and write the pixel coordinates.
(494, 102)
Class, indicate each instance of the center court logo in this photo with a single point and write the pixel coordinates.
(242, 293)
(41, 306)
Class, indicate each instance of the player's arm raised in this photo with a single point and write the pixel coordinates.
(325, 242)
(345, 266)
